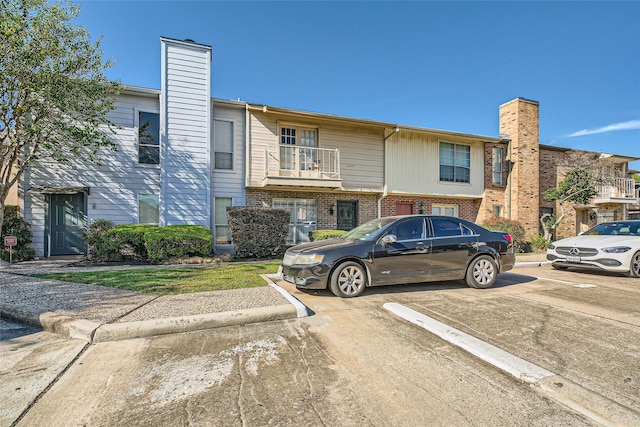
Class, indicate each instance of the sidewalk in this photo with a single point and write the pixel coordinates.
(95, 313)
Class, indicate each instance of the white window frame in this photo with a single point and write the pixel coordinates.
(137, 112)
(297, 226)
(215, 148)
(218, 223)
(138, 207)
(440, 164)
(443, 209)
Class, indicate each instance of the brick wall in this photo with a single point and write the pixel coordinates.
(367, 204)
(494, 195)
(519, 119)
(467, 208)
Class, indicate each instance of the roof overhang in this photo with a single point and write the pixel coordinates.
(46, 189)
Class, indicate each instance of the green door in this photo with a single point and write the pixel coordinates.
(68, 223)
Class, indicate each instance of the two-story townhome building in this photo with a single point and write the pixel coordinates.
(183, 157)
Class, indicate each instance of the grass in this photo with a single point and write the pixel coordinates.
(174, 281)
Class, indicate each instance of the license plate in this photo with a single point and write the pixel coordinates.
(573, 258)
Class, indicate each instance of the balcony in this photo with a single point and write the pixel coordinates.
(291, 165)
(621, 190)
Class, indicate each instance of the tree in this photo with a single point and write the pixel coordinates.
(581, 183)
(54, 95)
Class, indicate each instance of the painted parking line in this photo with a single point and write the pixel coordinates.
(513, 365)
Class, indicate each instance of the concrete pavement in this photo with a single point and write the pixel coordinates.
(95, 313)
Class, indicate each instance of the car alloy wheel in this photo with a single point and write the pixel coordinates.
(348, 280)
(482, 272)
(634, 268)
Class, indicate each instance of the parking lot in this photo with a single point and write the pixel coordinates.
(353, 362)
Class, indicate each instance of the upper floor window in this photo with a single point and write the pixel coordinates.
(223, 144)
(496, 165)
(148, 138)
(455, 162)
(293, 158)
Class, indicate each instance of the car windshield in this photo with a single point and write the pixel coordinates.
(615, 228)
(369, 230)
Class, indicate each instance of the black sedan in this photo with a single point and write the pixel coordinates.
(401, 249)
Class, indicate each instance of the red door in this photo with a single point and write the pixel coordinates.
(404, 208)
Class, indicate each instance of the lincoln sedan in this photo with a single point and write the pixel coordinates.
(401, 249)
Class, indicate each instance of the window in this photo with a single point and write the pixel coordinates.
(303, 217)
(223, 144)
(409, 230)
(148, 138)
(148, 209)
(221, 226)
(447, 210)
(498, 210)
(496, 165)
(292, 158)
(449, 228)
(455, 162)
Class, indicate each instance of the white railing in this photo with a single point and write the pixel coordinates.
(620, 188)
(303, 162)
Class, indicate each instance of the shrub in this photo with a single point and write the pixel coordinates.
(95, 234)
(178, 240)
(116, 243)
(539, 244)
(15, 225)
(315, 235)
(514, 228)
(258, 233)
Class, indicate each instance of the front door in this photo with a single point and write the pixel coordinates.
(68, 222)
(347, 215)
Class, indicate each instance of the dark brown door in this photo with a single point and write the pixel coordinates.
(404, 208)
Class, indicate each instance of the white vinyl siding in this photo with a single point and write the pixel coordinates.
(114, 184)
(185, 146)
(412, 161)
(361, 150)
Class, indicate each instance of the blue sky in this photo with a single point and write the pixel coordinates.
(442, 65)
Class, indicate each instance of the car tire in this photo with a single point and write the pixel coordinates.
(348, 280)
(482, 272)
(559, 267)
(634, 266)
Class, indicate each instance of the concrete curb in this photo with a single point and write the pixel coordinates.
(301, 309)
(172, 325)
(592, 405)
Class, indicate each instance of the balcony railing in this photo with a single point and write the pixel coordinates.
(302, 162)
(620, 189)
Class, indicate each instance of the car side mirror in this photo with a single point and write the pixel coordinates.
(389, 239)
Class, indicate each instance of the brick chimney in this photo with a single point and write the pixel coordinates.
(519, 119)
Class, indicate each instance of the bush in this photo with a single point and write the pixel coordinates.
(514, 228)
(539, 244)
(15, 225)
(315, 235)
(127, 241)
(178, 240)
(258, 233)
(95, 234)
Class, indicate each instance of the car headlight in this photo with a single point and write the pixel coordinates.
(311, 259)
(616, 249)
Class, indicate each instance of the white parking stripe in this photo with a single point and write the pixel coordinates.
(519, 368)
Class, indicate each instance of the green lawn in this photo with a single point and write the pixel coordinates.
(173, 281)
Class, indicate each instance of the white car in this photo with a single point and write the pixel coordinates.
(610, 246)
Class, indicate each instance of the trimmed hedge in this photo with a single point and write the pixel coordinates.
(315, 235)
(258, 233)
(143, 241)
(178, 240)
(15, 225)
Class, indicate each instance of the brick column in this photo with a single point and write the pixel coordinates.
(519, 119)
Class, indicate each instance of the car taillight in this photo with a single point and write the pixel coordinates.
(508, 237)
